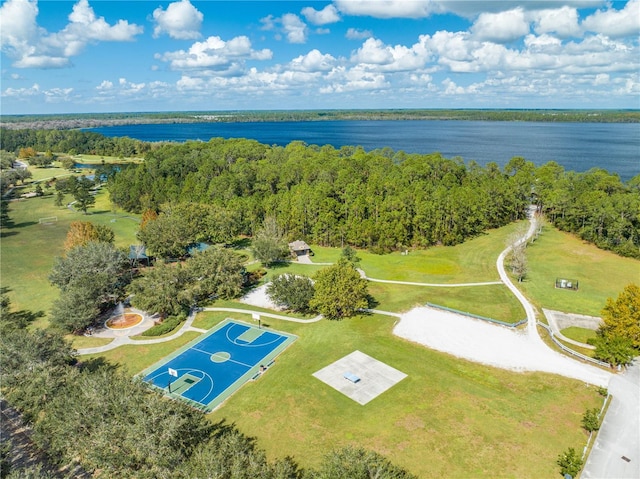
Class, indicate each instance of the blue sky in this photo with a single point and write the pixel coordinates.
(112, 56)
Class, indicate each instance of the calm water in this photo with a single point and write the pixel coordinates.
(575, 146)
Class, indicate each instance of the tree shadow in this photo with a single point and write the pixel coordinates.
(241, 243)
(372, 302)
(97, 364)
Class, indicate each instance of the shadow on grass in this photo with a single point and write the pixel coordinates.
(97, 364)
(241, 243)
(372, 303)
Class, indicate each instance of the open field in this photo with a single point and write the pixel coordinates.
(28, 248)
(601, 274)
(448, 418)
(473, 261)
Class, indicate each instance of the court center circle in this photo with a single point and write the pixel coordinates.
(220, 357)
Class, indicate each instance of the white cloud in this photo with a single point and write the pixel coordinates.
(387, 8)
(215, 54)
(328, 14)
(290, 24)
(501, 27)
(22, 92)
(105, 85)
(33, 47)
(314, 61)
(375, 55)
(615, 23)
(294, 28)
(181, 20)
(57, 95)
(561, 21)
(341, 80)
(355, 34)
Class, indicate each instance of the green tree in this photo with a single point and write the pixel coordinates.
(76, 308)
(290, 291)
(98, 263)
(114, 425)
(215, 272)
(59, 199)
(269, 245)
(591, 420)
(23, 174)
(33, 367)
(169, 234)
(91, 277)
(83, 195)
(615, 350)
(350, 255)
(162, 289)
(570, 462)
(618, 338)
(621, 316)
(68, 163)
(340, 291)
(357, 463)
(233, 455)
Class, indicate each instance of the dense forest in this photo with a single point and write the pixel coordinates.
(380, 200)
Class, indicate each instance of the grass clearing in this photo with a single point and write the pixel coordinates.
(448, 418)
(81, 342)
(579, 334)
(28, 248)
(492, 301)
(601, 274)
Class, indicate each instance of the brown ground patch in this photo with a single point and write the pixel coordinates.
(126, 320)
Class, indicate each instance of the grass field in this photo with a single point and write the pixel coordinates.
(28, 248)
(448, 418)
(601, 274)
(473, 261)
(579, 334)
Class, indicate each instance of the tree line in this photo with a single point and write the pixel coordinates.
(90, 120)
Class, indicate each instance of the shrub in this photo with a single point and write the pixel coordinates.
(569, 462)
(169, 324)
(591, 420)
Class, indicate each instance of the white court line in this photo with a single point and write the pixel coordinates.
(212, 354)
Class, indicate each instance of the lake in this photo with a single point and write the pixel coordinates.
(576, 146)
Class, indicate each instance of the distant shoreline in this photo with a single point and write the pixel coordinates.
(87, 120)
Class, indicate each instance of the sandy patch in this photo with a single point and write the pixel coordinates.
(258, 297)
(490, 344)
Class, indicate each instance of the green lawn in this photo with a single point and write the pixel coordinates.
(601, 274)
(472, 261)
(28, 248)
(448, 418)
(493, 301)
(579, 334)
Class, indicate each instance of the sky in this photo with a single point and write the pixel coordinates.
(94, 56)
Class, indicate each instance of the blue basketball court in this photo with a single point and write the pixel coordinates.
(208, 370)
